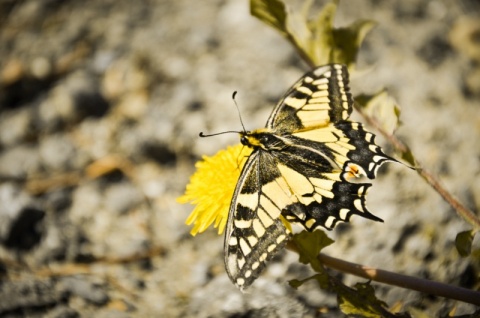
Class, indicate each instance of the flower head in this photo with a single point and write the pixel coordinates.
(211, 188)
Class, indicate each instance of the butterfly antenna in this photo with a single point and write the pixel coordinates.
(238, 110)
(201, 134)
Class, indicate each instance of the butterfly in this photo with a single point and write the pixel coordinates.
(299, 170)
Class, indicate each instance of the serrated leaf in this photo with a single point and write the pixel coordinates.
(348, 41)
(271, 12)
(383, 108)
(463, 242)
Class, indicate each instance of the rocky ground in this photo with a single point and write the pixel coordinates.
(101, 103)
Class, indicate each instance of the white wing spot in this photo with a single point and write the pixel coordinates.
(330, 221)
(373, 147)
(258, 228)
(321, 81)
(244, 246)
(305, 90)
(252, 240)
(320, 93)
(241, 262)
(264, 218)
(233, 241)
(281, 238)
(358, 204)
(344, 213)
(377, 158)
(295, 102)
(361, 190)
(243, 224)
(308, 79)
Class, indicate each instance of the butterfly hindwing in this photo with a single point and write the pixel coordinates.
(315, 172)
(365, 153)
(347, 199)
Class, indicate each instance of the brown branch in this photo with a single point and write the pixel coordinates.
(404, 281)
(462, 210)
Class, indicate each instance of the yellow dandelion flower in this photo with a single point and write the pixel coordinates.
(211, 188)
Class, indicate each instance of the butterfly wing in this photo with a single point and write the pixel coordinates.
(255, 231)
(320, 97)
(325, 150)
(317, 174)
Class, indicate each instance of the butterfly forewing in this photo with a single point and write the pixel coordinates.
(255, 232)
(318, 98)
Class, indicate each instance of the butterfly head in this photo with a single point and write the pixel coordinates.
(261, 138)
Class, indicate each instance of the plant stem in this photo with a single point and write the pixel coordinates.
(404, 281)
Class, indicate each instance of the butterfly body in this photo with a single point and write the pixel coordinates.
(298, 171)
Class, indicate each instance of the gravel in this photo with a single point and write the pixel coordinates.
(101, 103)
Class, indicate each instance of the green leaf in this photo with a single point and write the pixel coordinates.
(298, 29)
(321, 45)
(367, 291)
(316, 40)
(409, 157)
(363, 302)
(322, 280)
(348, 41)
(463, 242)
(272, 12)
(383, 108)
(308, 245)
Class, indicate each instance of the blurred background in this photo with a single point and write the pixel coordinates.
(101, 103)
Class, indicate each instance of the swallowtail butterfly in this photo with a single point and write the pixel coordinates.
(299, 169)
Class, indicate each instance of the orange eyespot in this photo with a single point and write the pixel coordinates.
(352, 171)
